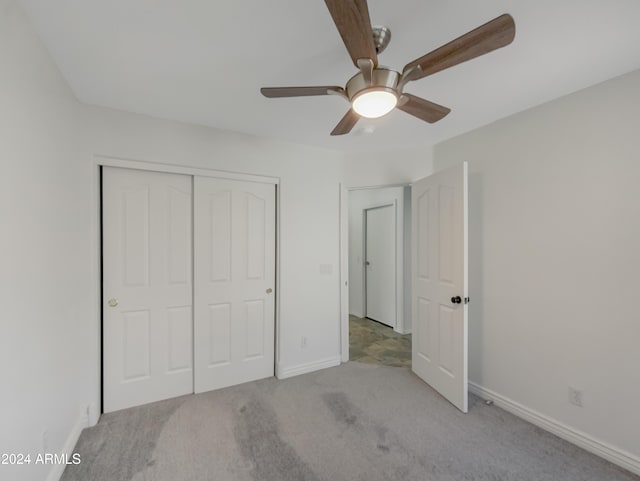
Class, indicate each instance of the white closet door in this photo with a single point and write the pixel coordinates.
(234, 272)
(147, 287)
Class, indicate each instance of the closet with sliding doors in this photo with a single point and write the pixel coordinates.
(188, 277)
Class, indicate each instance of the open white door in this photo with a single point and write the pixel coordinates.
(380, 264)
(234, 315)
(440, 282)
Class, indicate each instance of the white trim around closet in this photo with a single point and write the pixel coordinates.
(102, 160)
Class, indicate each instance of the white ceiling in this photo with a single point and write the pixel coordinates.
(204, 61)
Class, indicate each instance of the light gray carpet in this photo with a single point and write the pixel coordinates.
(356, 422)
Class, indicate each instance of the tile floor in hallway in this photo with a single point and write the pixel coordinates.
(375, 343)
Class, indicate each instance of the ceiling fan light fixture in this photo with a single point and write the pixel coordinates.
(374, 103)
(376, 90)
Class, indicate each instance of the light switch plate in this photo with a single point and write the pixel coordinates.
(326, 269)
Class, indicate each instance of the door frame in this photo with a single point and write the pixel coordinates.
(100, 161)
(397, 305)
(344, 261)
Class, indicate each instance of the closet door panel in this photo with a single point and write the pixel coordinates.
(234, 316)
(147, 286)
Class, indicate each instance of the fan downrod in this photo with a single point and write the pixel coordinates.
(381, 37)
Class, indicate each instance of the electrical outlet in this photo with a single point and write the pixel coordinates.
(575, 396)
(303, 342)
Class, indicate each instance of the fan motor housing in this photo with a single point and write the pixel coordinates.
(382, 79)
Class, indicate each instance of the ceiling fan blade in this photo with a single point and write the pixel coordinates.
(346, 123)
(275, 92)
(493, 35)
(353, 22)
(423, 109)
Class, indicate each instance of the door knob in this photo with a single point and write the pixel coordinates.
(113, 302)
(269, 290)
(366, 263)
(456, 300)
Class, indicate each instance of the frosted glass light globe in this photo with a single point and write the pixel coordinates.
(374, 103)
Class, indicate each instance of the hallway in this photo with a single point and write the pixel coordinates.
(374, 343)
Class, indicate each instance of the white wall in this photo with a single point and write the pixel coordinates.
(376, 169)
(554, 258)
(47, 342)
(358, 201)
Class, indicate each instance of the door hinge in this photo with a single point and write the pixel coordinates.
(466, 300)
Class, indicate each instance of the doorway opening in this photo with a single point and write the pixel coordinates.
(434, 283)
(379, 275)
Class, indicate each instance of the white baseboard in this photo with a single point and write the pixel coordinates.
(617, 456)
(57, 469)
(284, 372)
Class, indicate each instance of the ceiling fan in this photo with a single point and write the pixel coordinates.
(376, 90)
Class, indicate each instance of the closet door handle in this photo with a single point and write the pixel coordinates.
(269, 290)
